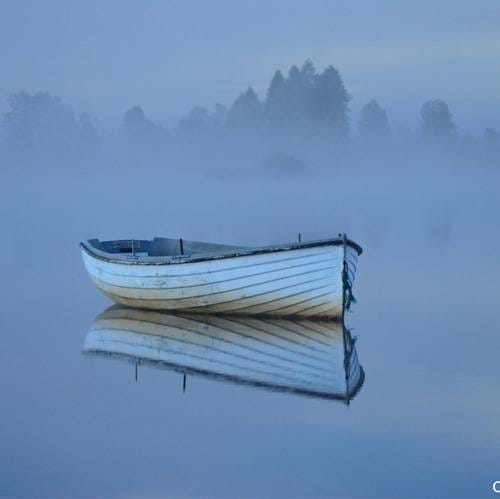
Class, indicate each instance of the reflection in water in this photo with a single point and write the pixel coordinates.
(304, 357)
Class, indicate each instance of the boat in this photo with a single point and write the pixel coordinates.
(304, 357)
(303, 279)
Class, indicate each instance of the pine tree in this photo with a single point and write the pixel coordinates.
(246, 112)
(276, 100)
(437, 120)
(196, 125)
(330, 103)
(294, 91)
(308, 72)
(135, 124)
(373, 123)
(299, 94)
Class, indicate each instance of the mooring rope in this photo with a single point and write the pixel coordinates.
(348, 295)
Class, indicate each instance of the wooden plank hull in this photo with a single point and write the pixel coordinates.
(302, 282)
(301, 356)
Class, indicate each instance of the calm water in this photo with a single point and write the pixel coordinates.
(425, 423)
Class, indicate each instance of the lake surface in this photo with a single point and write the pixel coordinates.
(424, 424)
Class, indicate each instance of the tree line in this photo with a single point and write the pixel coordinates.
(302, 107)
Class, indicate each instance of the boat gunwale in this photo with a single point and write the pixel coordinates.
(182, 259)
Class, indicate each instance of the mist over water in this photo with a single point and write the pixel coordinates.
(425, 322)
(421, 198)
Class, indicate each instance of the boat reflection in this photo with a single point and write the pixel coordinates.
(304, 357)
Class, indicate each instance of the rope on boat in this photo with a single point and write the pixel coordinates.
(348, 295)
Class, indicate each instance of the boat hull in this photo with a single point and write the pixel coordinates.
(302, 282)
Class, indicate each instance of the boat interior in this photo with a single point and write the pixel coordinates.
(164, 247)
(161, 246)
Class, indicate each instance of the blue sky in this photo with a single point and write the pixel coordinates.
(103, 57)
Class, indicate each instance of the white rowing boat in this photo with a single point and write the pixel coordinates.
(315, 358)
(306, 279)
